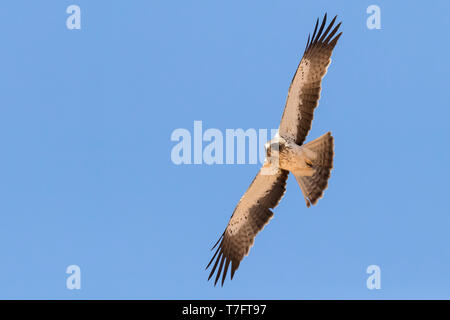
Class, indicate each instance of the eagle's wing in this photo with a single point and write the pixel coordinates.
(304, 92)
(249, 217)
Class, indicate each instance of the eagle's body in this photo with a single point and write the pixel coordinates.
(310, 163)
(289, 156)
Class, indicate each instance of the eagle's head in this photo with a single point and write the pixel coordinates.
(273, 149)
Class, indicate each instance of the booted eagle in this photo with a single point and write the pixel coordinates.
(310, 163)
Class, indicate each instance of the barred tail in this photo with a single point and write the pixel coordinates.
(321, 164)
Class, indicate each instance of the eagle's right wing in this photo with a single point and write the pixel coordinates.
(304, 92)
(250, 216)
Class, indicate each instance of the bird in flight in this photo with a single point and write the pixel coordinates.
(310, 163)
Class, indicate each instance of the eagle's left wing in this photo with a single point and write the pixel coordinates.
(304, 92)
(250, 216)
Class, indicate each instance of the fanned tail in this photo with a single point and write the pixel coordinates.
(313, 185)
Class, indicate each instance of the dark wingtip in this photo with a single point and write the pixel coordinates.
(219, 271)
(219, 258)
(307, 43)
(220, 238)
(322, 35)
(227, 263)
(212, 259)
(315, 30)
(319, 33)
(335, 40)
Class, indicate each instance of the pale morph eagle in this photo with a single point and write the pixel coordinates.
(310, 163)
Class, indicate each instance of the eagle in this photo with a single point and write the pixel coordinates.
(310, 163)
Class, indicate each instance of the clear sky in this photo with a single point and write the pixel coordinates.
(86, 176)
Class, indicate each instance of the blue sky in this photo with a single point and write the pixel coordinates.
(86, 174)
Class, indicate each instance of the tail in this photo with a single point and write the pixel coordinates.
(320, 161)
